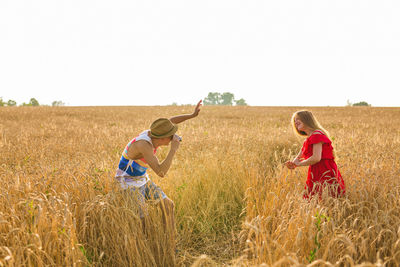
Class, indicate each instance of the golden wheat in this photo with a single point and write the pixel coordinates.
(235, 204)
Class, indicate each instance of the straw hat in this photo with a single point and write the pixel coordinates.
(162, 127)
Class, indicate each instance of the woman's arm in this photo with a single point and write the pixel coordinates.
(298, 156)
(315, 158)
(181, 118)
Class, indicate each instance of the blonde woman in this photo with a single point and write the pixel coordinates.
(317, 153)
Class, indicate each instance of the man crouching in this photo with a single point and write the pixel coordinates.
(140, 154)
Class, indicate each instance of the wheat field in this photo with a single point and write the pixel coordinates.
(235, 204)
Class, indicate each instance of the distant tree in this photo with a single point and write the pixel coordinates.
(349, 104)
(33, 102)
(2, 103)
(227, 99)
(241, 102)
(213, 98)
(57, 103)
(11, 103)
(362, 103)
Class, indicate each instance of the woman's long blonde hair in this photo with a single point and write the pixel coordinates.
(308, 119)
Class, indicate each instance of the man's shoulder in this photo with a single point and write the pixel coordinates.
(143, 145)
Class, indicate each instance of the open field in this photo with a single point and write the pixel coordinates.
(234, 202)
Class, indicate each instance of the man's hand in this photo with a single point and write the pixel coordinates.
(197, 109)
(175, 142)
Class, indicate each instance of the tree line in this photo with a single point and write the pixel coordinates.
(358, 104)
(224, 99)
(212, 99)
(32, 102)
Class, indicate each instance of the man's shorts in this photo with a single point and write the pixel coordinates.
(147, 192)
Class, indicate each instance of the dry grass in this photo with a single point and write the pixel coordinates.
(234, 203)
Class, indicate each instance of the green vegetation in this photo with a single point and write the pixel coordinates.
(362, 103)
(57, 103)
(224, 99)
(32, 102)
(358, 104)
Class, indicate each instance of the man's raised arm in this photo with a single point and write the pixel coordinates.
(181, 118)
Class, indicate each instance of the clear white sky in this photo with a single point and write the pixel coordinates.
(156, 52)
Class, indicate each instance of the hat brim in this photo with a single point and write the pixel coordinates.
(168, 134)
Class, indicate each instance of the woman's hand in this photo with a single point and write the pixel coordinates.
(296, 162)
(290, 165)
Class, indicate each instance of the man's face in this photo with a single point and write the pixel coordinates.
(166, 140)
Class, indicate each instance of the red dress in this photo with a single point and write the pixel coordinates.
(325, 172)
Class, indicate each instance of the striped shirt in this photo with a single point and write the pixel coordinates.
(133, 172)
